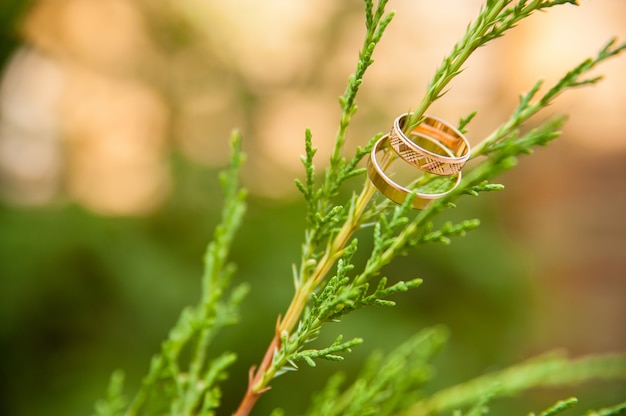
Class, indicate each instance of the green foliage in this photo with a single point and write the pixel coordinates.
(493, 20)
(323, 217)
(329, 285)
(387, 383)
(619, 409)
(548, 370)
(558, 407)
(115, 402)
(181, 379)
(395, 384)
(504, 135)
(338, 169)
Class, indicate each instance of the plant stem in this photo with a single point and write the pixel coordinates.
(453, 65)
(260, 377)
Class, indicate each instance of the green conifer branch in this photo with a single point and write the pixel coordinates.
(385, 383)
(481, 407)
(319, 204)
(375, 22)
(619, 409)
(443, 235)
(527, 107)
(504, 146)
(387, 244)
(338, 171)
(464, 121)
(115, 401)
(394, 385)
(419, 229)
(501, 157)
(396, 233)
(478, 409)
(414, 232)
(329, 353)
(493, 20)
(553, 369)
(190, 388)
(308, 190)
(339, 297)
(558, 407)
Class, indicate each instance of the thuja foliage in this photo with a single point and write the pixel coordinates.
(181, 379)
(184, 377)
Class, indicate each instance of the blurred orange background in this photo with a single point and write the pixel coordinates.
(100, 95)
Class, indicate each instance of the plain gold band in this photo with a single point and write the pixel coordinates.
(392, 190)
(432, 130)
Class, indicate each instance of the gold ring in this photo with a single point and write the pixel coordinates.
(422, 146)
(392, 190)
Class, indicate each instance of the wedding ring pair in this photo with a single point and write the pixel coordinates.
(434, 146)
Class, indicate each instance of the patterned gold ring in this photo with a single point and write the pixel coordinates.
(422, 146)
(391, 189)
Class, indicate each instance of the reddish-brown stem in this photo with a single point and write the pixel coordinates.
(255, 381)
(252, 395)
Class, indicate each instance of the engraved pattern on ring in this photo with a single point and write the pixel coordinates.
(420, 160)
(440, 133)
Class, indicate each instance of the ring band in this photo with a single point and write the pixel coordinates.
(415, 147)
(392, 190)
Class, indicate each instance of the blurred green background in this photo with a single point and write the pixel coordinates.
(114, 121)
